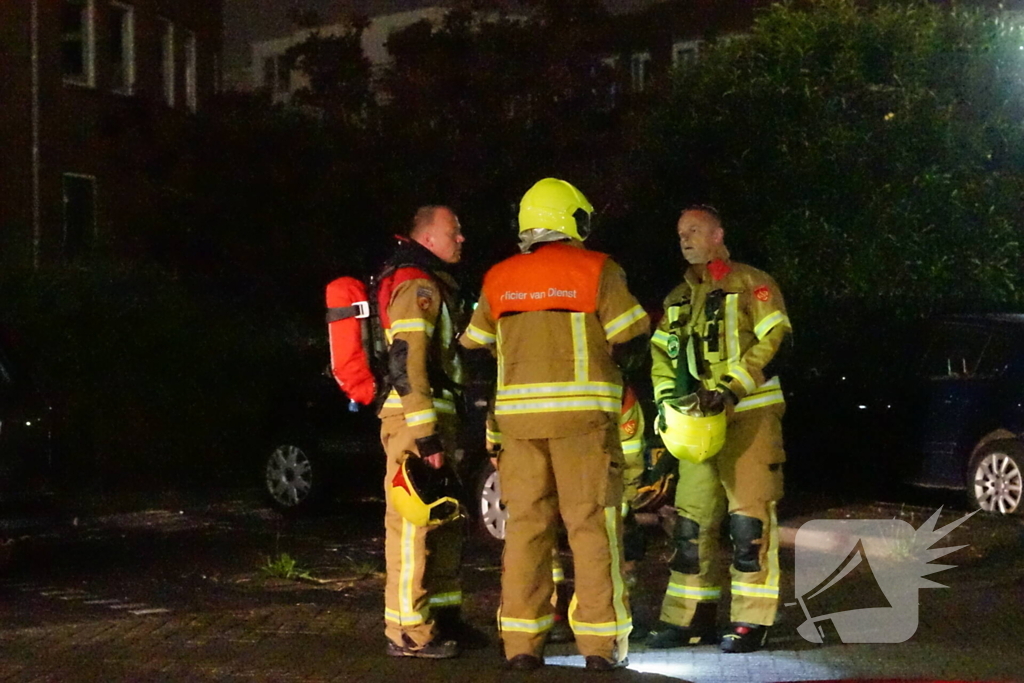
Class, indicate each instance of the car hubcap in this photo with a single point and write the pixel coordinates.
(997, 484)
(289, 475)
(492, 512)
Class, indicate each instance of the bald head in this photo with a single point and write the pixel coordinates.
(437, 229)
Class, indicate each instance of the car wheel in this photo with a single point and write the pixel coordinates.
(493, 515)
(292, 479)
(994, 481)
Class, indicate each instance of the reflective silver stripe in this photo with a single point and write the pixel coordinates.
(769, 322)
(660, 339)
(632, 446)
(732, 330)
(479, 336)
(411, 325)
(760, 400)
(623, 321)
(678, 590)
(560, 389)
(581, 371)
(741, 374)
(556, 405)
(445, 599)
(753, 590)
(420, 417)
(527, 625)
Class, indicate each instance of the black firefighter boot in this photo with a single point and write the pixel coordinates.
(450, 626)
(700, 631)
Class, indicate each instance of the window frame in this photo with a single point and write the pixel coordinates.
(191, 72)
(690, 47)
(87, 78)
(127, 48)
(639, 65)
(168, 67)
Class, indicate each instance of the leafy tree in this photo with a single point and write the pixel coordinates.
(868, 156)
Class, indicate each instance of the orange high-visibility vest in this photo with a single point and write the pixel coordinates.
(556, 277)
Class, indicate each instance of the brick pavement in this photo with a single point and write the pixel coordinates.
(969, 631)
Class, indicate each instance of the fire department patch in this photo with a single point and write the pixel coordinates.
(424, 297)
(763, 293)
(673, 346)
(629, 428)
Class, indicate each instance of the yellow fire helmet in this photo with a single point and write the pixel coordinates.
(686, 433)
(553, 204)
(423, 495)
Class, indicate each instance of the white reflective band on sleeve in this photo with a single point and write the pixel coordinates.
(740, 373)
(751, 590)
(760, 400)
(623, 321)
(660, 339)
(479, 336)
(411, 325)
(632, 446)
(769, 322)
(420, 417)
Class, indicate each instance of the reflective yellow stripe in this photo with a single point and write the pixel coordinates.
(581, 372)
(527, 625)
(493, 436)
(664, 389)
(623, 623)
(407, 620)
(760, 400)
(769, 322)
(557, 574)
(446, 599)
(753, 590)
(741, 374)
(708, 593)
(632, 446)
(411, 325)
(732, 329)
(444, 406)
(773, 547)
(660, 339)
(517, 391)
(479, 336)
(623, 321)
(557, 405)
(420, 417)
(406, 572)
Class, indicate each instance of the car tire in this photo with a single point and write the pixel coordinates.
(491, 514)
(294, 480)
(995, 478)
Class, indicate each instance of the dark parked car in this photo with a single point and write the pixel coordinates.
(319, 451)
(947, 411)
(26, 431)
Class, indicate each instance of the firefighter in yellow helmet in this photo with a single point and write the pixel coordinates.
(722, 328)
(564, 326)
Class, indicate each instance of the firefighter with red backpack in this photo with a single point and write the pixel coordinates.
(420, 312)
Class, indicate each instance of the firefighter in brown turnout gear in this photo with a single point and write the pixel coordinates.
(562, 323)
(722, 327)
(420, 311)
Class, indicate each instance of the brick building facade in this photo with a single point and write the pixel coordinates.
(94, 98)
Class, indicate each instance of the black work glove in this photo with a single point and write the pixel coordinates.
(714, 401)
(431, 450)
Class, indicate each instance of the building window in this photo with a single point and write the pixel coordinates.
(77, 42)
(79, 214)
(191, 87)
(684, 53)
(167, 61)
(639, 70)
(121, 40)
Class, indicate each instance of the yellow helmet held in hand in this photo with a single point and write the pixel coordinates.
(689, 436)
(553, 204)
(423, 495)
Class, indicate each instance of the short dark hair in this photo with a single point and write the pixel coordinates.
(706, 208)
(423, 217)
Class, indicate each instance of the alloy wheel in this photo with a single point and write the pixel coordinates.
(998, 483)
(289, 476)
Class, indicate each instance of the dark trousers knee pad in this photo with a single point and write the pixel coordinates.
(686, 559)
(746, 535)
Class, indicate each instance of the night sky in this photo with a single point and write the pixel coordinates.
(248, 20)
